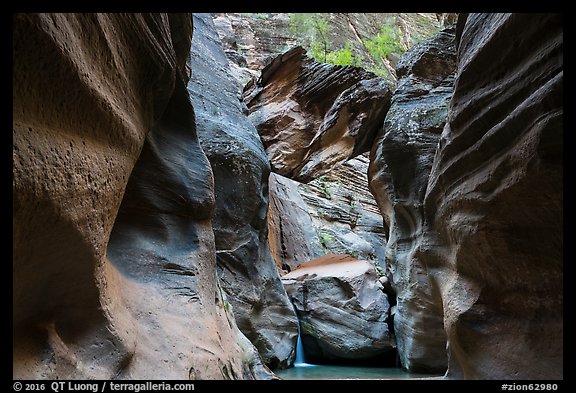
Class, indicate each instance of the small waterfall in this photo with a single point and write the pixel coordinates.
(299, 350)
(300, 356)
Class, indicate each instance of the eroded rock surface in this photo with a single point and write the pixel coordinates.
(114, 268)
(495, 200)
(334, 214)
(342, 309)
(344, 212)
(313, 116)
(252, 40)
(247, 271)
(401, 161)
(293, 237)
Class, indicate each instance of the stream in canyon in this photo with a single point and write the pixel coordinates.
(323, 372)
(307, 371)
(193, 191)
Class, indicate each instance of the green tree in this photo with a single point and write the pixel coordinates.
(384, 43)
(312, 32)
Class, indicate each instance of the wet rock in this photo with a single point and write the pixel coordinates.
(401, 160)
(246, 269)
(342, 309)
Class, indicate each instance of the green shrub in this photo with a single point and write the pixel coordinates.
(345, 57)
(386, 42)
(324, 188)
(378, 269)
(258, 15)
(311, 30)
(325, 238)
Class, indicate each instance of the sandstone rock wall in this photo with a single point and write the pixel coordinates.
(293, 237)
(252, 40)
(342, 308)
(313, 116)
(114, 268)
(334, 214)
(246, 269)
(344, 212)
(401, 160)
(495, 200)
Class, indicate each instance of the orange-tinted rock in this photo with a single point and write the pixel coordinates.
(313, 116)
(113, 251)
(292, 235)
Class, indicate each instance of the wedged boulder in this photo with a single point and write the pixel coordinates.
(401, 160)
(313, 116)
(113, 251)
(342, 308)
(240, 166)
(495, 200)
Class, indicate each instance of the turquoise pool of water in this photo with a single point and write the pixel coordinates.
(313, 371)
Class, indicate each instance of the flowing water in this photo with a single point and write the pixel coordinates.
(313, 371)
(303, 370)
(299, 362)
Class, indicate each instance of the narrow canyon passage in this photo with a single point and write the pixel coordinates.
(261, 196)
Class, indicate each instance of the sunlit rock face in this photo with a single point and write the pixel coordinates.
(252, 40)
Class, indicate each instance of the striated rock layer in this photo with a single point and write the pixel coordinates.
(247, 271)
(495, 200)
(334, 214)
(114, 268)
(342, 309)
(313, 116)
(293, 237)
(401, 160)
(252, 40)
(344, 212)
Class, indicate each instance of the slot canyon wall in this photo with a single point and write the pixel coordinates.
(334, 214)
(114, 263)
(246, 269)
(400, 165)
(476, 245)
(313, 116)
(140, 197)
(494, 199)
